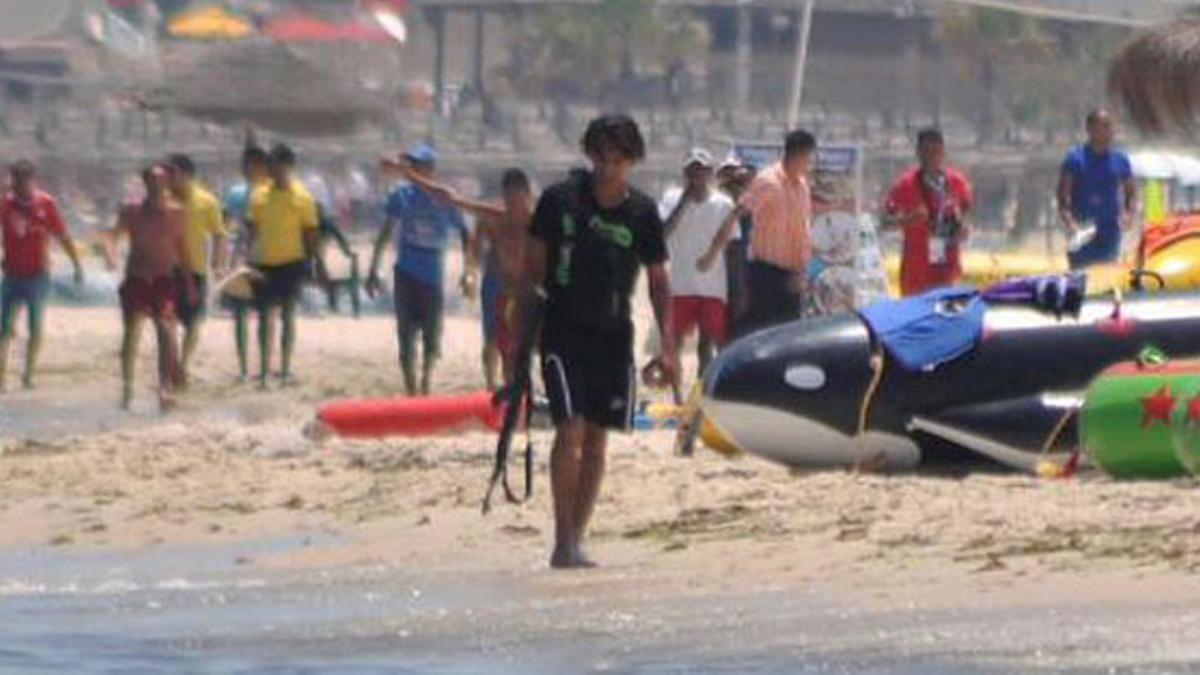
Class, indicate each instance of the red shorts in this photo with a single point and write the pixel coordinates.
(709, 314)
(150, 297)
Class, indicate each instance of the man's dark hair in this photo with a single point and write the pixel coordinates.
(514, 179)
(282, 154)
(149, 170)
(24, 167)
(182, 163)
(1094, 116)
(253, 153)
(798, 142)
(616, 132)
(930, 135)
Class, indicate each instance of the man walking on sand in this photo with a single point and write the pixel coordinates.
(1097, 196)
(237, 209)
(205, 233)
(590, 236)
(285, 228)
(780, 204)
(694, 213)
(157, 231)
(501, 230)
(29, 217)
(422, 226)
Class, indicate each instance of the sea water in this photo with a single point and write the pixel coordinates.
(214, 610)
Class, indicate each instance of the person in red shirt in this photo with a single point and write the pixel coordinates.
(29, 218)
(930, 203)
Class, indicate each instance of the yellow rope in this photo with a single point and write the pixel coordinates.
(877, 364)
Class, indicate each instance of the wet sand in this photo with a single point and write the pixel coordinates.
(734, 563)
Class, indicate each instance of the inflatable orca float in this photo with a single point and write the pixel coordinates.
(825, 393)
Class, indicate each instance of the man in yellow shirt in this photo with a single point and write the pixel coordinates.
(205, 231)
(283, 219)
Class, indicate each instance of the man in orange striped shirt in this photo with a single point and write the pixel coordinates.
(780, 203)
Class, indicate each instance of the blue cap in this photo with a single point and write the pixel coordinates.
(422, 154)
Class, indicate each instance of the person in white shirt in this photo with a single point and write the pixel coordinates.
(693, 215)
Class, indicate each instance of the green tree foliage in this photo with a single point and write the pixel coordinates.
(583, 51)
(1029, 72)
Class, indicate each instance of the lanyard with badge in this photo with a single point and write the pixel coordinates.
(943, 221)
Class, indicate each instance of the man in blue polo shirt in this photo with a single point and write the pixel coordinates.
(1097, 197)
(422, 225)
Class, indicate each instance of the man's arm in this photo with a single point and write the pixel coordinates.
(1066, 209)
(735, 262)
(719, 242)
(660, 298)
(63, 235)
(476, 207)
(676, 215)
(381, 241)
(1129, 187)
(112, 237)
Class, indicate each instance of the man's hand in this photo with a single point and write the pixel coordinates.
(799, 282)
(467, 285)
(191, 290)
(913, 216)
(1069, 223)
(373, 285)
(662, 371)
(706, 261)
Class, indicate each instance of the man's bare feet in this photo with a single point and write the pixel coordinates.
(166, 402)
(570, 558)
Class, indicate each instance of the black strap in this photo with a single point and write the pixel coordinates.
(518, 398)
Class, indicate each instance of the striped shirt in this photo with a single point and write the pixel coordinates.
(782, 211)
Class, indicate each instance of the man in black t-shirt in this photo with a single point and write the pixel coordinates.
(591, 235)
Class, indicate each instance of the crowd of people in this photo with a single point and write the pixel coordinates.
(726, 252)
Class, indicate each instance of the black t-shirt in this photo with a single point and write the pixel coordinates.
(593, 254)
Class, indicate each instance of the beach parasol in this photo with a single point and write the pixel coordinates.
(266, 85)
(1157, 76)
(301, 27)
(210, 23)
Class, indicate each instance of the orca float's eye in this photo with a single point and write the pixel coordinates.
(805, 377)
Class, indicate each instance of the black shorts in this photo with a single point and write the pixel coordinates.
(589, 374)
(418, 307)
(281, 283)
(189, 311)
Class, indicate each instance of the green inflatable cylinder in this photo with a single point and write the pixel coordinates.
(1185, 426)
(1128, 417)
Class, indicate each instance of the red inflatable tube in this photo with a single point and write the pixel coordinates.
(425, 416)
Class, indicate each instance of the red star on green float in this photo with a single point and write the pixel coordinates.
(1157, 407)
(1194, 410)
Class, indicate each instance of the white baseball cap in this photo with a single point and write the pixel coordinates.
(698, 156)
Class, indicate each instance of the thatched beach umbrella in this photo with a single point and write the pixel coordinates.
(268, 86)
(1157, 76)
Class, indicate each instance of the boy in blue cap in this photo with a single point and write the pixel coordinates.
(422, 225)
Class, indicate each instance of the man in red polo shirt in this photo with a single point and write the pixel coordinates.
(930, 202)
(29, 217)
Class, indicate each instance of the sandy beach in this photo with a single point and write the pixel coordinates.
(80, 478)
